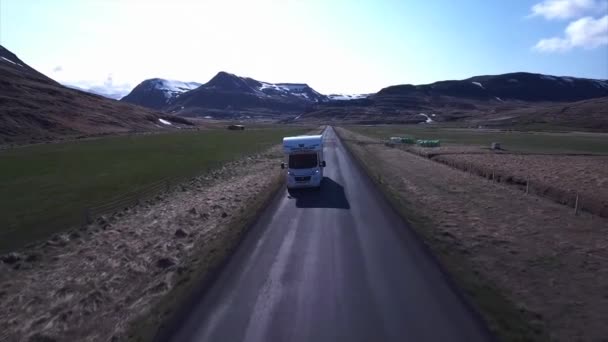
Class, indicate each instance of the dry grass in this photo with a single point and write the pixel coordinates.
(557, 177)
(137, 265)
(533, 269)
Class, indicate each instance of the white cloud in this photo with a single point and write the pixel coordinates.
(586, 33)
(567, 9)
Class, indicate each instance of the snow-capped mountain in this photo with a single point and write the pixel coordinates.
(229, 82)
(157, 93)
(224, 91)
(230, 92)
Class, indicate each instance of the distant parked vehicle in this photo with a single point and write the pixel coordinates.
(236, 127)
(304, 161)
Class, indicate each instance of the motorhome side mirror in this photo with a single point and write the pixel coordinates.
(282, 165)
(323, 164)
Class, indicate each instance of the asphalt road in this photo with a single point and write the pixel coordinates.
(334, 265)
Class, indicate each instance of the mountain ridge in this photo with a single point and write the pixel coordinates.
(230, 93)
(521, 86)
(35, 107)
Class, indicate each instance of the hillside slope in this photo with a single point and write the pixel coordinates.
(35, 108)
(589, 114)
(519, 86)
(515, 99)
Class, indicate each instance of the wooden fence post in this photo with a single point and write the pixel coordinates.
(527, 185)
(576, 205)
(87, 216)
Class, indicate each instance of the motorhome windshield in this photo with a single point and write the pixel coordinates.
(303, 161)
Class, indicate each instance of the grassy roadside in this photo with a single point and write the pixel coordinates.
(504, 318)
(44, 189)
(159, 322)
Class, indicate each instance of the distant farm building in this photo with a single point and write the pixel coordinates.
(236, 127)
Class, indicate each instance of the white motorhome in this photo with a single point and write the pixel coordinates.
(305, 162)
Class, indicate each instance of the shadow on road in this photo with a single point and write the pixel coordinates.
(331, 195)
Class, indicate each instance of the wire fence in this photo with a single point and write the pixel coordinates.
(139, 195)
(574, 199)
(126, 200)
(571, 198)
(66, 222)
(144, 193)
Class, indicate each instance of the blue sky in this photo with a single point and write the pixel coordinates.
(334, 46)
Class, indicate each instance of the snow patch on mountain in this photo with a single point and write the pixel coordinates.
(346, 97)
(428, 118)
(301, 90)
(271, 86)
(478, 84)
(601, 84)
(8, 60)
(172, 88)
(283, 86)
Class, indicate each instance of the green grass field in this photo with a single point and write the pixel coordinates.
(45, 188)
(540, 142)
